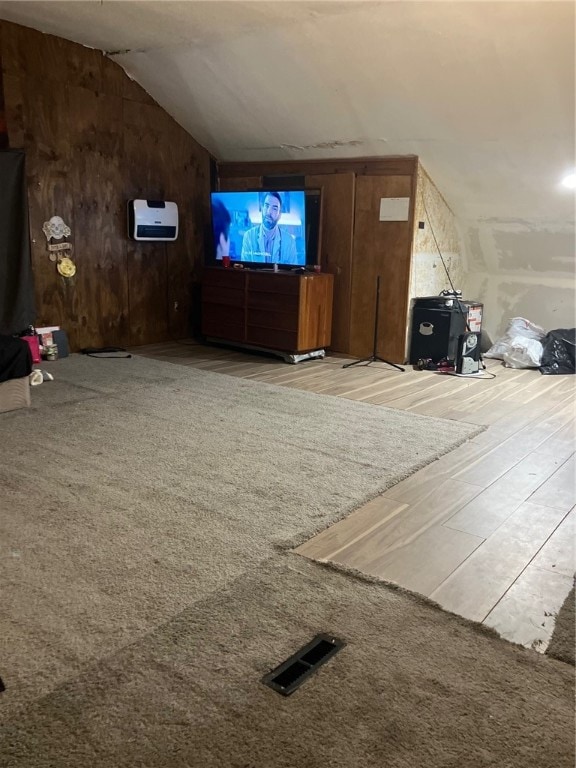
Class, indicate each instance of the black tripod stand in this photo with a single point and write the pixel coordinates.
(374, 357)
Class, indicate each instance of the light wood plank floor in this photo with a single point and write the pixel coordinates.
(486, 531)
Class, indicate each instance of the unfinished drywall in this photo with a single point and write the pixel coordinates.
(437, 250)
(521, 269)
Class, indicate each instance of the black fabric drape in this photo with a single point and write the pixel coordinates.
(17, 310)
(15, 358)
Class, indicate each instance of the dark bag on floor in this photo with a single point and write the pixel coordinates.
(558, 353)
(15, 358)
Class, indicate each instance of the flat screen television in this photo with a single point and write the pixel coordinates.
(261, 228)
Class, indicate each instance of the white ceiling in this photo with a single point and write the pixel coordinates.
(482, 92)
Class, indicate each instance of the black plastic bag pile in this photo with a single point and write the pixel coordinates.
(558, 353)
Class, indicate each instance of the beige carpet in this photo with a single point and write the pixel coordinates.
(413, 688)
(134, 488)
(563, 642)
(145, 588)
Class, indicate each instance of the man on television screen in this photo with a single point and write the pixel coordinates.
(268, 242)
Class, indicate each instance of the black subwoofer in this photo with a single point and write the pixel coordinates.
(437, 323)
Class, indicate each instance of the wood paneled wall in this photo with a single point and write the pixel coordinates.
(336, 234)
(381, 249)
(356, 246)
(93, 140)
(3, 127)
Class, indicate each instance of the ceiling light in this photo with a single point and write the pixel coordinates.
(569, 181)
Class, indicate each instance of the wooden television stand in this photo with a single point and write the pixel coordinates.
(288, 313)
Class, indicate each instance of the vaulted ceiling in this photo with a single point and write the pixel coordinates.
(482, 92)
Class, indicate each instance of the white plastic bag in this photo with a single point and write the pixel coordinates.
(521, 345)
(523, 353)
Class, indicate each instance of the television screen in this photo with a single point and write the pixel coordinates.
(265, 227)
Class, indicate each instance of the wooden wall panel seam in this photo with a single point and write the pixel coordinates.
(4, 142)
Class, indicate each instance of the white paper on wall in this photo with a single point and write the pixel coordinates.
(394, 208)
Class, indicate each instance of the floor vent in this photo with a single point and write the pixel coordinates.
(294, 671)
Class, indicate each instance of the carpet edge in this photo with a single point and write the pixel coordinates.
(303, 536)
(562, 643)
(419, 599)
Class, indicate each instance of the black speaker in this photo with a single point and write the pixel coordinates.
(436, 326)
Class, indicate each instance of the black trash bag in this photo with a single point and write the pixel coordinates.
(558, 353)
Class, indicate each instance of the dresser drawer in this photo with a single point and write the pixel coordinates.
(224, 295)
(274, 339)
(273, 302)
(223, 322)
(226, 278)
(274, 283)
(275, 319)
